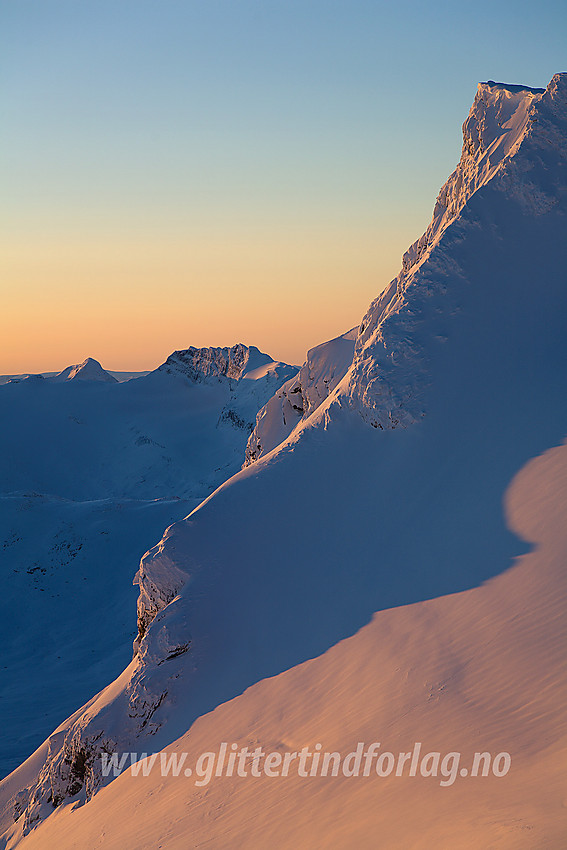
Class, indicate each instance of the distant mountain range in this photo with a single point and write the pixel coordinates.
(91, 472)
(89, 370)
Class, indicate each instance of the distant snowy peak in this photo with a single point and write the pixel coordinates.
(89, 370)
(237, 362)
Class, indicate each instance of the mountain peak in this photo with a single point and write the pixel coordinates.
(514, 149)
(503, 118)
(198, 364)
(89, 370)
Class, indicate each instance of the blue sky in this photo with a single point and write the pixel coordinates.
(213, 169)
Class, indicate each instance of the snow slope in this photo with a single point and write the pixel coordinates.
(76, 515)
(450, 673)
(361, 583)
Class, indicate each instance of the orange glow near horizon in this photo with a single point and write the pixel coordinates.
(193, 173)
(130, 300)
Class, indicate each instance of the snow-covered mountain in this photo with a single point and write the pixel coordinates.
(89, 370)
(393, 570)
(177, 432)
(91, 472)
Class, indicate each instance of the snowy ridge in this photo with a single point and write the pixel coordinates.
(495, 127)
(299, 397)
(513, 140)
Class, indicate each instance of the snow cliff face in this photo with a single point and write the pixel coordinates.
(466, 334)
(515, 142)
(296, 400)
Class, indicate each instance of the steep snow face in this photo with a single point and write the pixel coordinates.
(496, 126)
(514, 139)
(88, 370)
(298, 551)
(515, 143)
(296, 400)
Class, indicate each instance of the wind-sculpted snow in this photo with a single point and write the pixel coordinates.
(514, 142)
(296, 400)
(160, 580)
(299, 550)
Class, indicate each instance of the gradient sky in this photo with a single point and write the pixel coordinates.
(181, 173)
